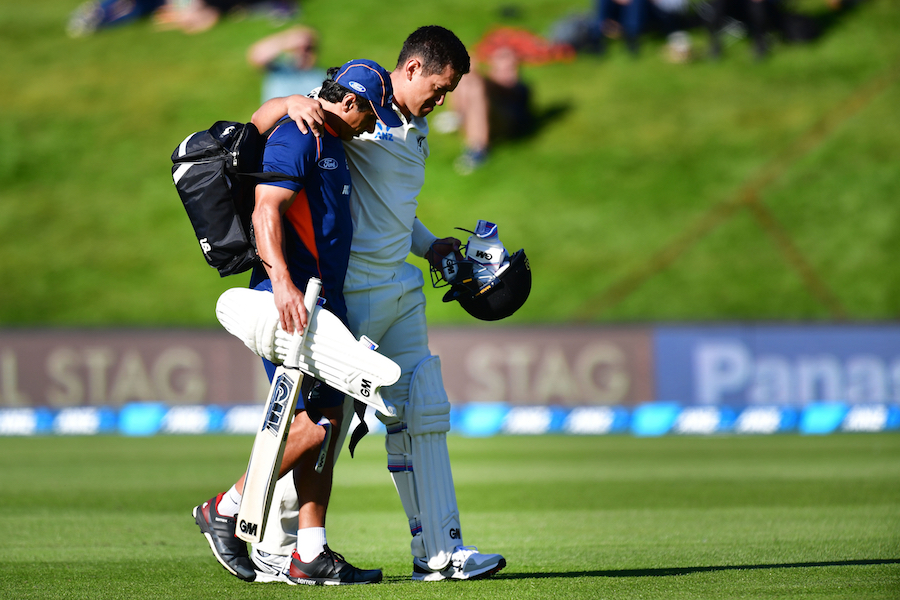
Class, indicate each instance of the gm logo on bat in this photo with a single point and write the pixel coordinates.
(249, 528)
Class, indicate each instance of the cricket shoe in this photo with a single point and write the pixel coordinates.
(230, 551)
(466, 562)
(270, 568)
(329, 568)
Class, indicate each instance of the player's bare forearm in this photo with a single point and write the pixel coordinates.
(269, 113)
(271, 202)
(267, 226)
(306, 112)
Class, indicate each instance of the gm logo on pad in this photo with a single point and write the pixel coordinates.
(329, 164)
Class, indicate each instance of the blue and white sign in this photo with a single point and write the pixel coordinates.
(777, 365)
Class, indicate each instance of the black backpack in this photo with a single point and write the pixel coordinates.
(216, 172)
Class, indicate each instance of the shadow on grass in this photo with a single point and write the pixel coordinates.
(541, 118)
(672, 571)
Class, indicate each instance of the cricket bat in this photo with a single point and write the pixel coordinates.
(268, 446)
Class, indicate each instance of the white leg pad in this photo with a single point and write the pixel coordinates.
(399, 451)
(280, 534)
(252, 318)
(329, 352)
(426, 483)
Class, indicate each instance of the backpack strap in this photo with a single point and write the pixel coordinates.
(269, 131)
(271, 176)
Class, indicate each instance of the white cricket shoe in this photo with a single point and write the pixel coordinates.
(270, 568)
(466, 562)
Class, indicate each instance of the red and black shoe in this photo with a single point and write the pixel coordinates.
(329, 568)
(230, 551)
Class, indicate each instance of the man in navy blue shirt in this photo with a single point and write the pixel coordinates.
(304, 229)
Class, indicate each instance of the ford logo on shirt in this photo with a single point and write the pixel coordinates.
(329, 164)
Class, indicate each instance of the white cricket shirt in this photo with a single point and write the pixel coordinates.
(388, 171)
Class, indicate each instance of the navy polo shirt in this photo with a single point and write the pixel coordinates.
(318, 226)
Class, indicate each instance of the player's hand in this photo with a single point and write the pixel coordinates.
(307, 113)
(289, 301)
(442, 248)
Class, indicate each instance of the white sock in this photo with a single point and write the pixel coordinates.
(310, 543)
(230, 503)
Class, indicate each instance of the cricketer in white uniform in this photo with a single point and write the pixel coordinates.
(386, 303)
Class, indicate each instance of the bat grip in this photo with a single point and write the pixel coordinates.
(310, 299)
(311, 296)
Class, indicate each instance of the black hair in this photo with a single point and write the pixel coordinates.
(437, 48)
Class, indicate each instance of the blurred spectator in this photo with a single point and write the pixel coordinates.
(576, 30)
(94, 15)
(763, 20)
(629, 19)
(190, 16)
(621, 19)
(196, 16)
(757, 14)
(289, 61)
(489, 107)
(726, 20)
(492, 103)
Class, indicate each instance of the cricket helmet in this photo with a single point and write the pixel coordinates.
(484, 293)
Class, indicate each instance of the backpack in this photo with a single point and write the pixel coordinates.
(216, 172)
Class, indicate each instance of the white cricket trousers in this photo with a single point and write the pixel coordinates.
(387, 304)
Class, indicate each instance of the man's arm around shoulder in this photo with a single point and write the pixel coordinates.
(305, 111)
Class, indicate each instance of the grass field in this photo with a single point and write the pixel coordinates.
(714, 190)
(576, 517)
